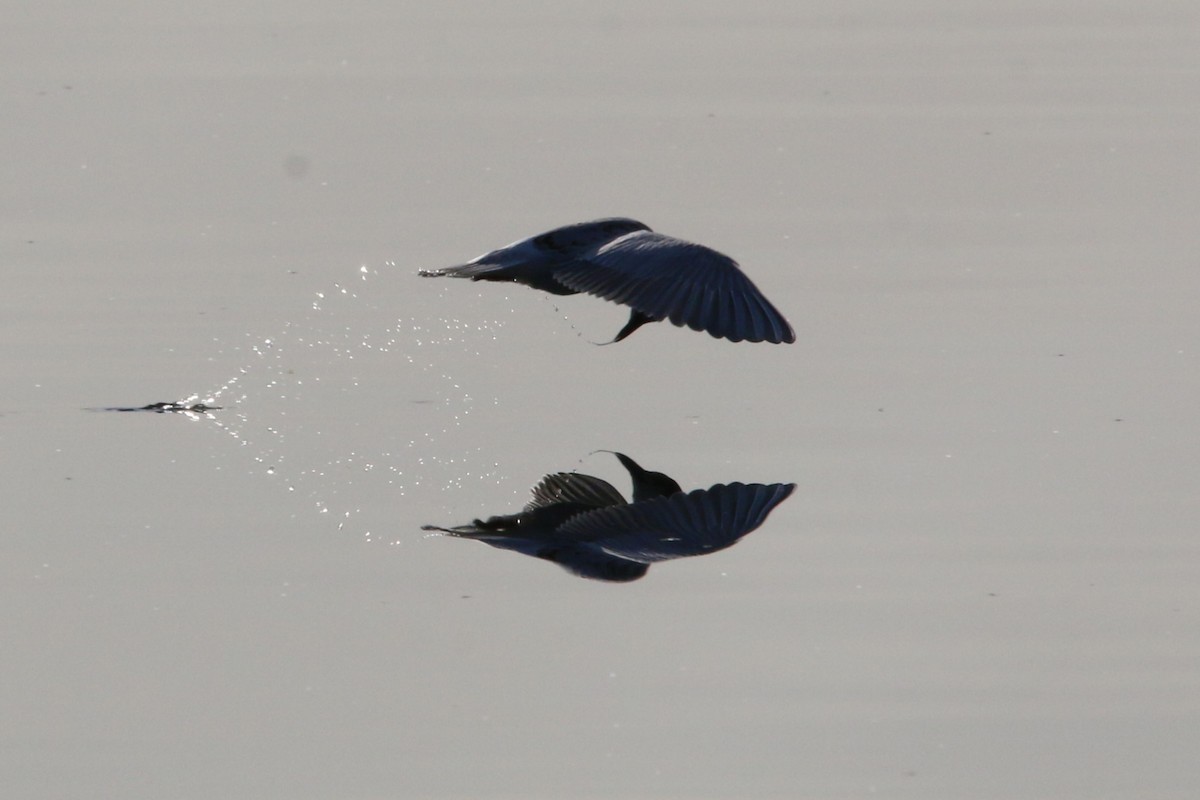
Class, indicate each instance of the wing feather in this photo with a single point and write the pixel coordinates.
(572, 487)
(668, 278)
(700, 521)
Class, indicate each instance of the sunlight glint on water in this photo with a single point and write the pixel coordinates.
(316, 387)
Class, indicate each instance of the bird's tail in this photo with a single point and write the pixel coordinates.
(476, 272)
(479, 528)
(462, 531)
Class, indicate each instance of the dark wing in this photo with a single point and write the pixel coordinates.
(701, 521)
(668, 278)
(572, 487)
(591, 562)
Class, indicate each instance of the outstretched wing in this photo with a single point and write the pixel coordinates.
(572, 487)
(668, 278)
(701, 521)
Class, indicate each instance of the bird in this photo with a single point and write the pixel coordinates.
(583, 524)
(658, 276)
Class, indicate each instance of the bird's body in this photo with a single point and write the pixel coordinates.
(584, 524)
(658, 276)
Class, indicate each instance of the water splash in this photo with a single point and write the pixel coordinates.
(354, 408)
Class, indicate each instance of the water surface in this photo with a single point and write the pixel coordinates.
(980, 222)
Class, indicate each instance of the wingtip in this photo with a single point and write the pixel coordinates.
(789, 334)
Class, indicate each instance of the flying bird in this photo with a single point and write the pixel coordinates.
(583, 524)
(658, 276)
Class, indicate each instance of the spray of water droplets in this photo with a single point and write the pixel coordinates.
(353, 408)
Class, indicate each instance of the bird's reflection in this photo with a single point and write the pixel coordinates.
(583, 524)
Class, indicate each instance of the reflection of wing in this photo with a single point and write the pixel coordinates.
(692, 285)
(572, 487)
(587, 561)
(700, 521)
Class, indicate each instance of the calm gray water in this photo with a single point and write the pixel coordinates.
(981, 222)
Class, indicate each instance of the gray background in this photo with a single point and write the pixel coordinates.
(980, 218)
